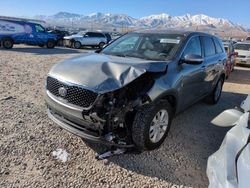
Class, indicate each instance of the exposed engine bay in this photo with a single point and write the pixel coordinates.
(113, 112)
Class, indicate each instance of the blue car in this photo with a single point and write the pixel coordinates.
(24, 31)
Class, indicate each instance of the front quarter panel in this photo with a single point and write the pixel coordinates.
(165, 85)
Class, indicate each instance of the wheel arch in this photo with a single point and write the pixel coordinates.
(171, 96)
(7, 37)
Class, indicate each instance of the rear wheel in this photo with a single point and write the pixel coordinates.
(151, 125)
(77, 45)
(7, 43)
(214, 97)
(51, 43)
(101, 45)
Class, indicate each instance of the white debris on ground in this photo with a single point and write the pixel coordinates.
(61, 155)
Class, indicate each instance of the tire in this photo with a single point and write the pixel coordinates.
(50, 44)
(101, 44)
(7, 43)
(77, 45)
(214, 97)
(144, 121)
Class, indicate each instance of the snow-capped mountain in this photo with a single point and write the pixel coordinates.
(122, 20)
(184, 21)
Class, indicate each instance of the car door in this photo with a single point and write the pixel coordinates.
(213, 59)
(87, 39)
(192, 76)
(40, 34)
(98, 38)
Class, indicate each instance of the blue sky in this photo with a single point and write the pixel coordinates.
(236, 11)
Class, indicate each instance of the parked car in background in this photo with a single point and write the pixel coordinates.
(94, 39)
(243, 50)
(60, 35)
(231, 54)
(127, 94)
(248, 38)
(24, 31)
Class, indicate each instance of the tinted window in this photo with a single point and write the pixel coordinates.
(209, 47)
(97, 35)
(39, 29)
(193, 47)
(90, 34)
(218, 46)
(108, 36)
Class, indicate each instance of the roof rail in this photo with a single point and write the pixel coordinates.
(21, 19)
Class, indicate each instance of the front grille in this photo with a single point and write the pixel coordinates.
(74, 95)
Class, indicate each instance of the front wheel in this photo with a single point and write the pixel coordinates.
(51, 44)
(77, 45)
(151, 125)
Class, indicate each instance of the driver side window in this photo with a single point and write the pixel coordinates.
(193, 47)
(39, 29)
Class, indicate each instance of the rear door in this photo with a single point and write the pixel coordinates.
(87, 39)
(213, 60)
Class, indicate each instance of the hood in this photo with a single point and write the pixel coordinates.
(103, 73)
(73, 36)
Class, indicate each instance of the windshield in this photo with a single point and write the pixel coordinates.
(145, 46)
(242, 46)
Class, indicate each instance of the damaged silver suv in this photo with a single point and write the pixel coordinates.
(127, 94)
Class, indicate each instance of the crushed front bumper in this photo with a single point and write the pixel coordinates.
(72, 120)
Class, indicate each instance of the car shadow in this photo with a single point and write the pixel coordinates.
(182, 158)
(240, 75)
(46, 51)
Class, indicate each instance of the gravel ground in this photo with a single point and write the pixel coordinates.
(28, 138)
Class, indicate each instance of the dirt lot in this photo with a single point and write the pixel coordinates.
(28, 137)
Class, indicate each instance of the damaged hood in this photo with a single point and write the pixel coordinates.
(103, 73)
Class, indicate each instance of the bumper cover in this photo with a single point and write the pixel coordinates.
(72, 128)
(72, 121)
(243, 61)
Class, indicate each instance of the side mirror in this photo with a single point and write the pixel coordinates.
(227, 118)
(192, 59)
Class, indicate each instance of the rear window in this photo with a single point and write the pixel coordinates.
(239, 46)
(209, 47)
